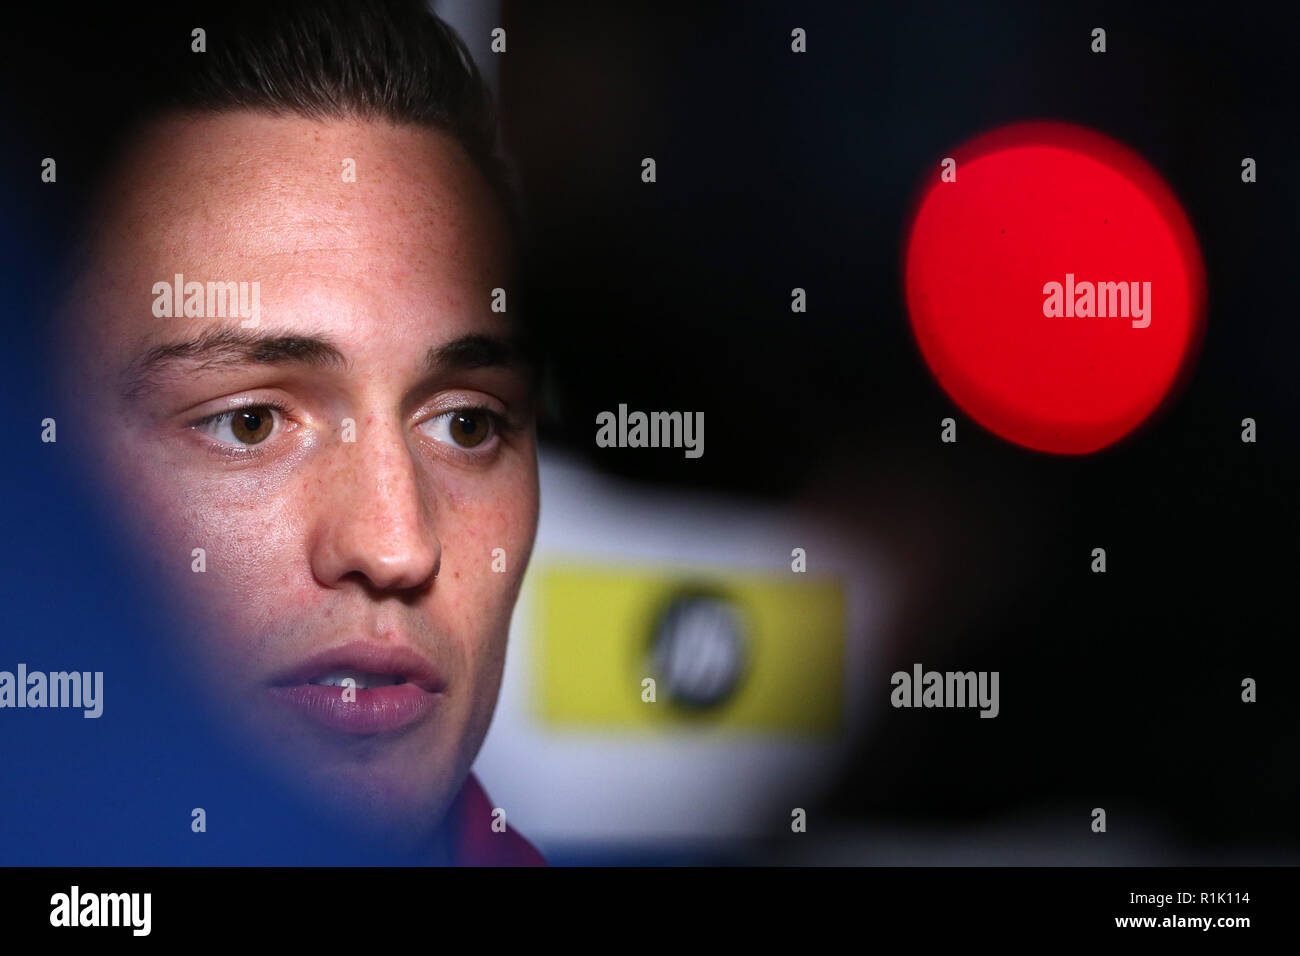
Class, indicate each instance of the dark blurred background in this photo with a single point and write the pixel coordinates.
(778, 170)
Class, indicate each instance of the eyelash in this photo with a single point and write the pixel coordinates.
(223, 450)
(500, 425)
(230, 413)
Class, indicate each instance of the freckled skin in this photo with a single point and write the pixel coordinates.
(318, 542)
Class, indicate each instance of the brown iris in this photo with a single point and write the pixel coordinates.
(251, 425)
(468, 429)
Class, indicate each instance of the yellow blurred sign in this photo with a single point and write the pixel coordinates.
(736, 650)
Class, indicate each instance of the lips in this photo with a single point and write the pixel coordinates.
(394, 688)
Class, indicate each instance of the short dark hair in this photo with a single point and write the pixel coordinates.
(334, 59)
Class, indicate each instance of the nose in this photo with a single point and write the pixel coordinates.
(374, 519)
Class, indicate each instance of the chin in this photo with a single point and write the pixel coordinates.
(391, 791)
(399, 812)
(388, 801)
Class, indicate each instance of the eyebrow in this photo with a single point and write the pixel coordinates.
(474, 351)
(226, 348)
(230, 348)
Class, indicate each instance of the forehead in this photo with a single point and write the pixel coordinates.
(311, 208)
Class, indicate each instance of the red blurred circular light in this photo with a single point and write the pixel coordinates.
(1033, 204)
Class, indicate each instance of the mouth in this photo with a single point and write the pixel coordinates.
(362, 688)
(360, 680)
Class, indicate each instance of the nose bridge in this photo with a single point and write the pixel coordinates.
(385, 474)
(377, 519)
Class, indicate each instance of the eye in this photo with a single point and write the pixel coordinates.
(465, 428)
(250, 425)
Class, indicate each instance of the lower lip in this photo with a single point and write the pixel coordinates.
(377, 710)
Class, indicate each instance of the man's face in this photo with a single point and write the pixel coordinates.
(349, 466)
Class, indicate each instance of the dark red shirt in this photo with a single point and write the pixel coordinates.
(476, 843)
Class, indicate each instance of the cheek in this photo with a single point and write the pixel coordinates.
(253, 574)
(256, 563)
(487, 538)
